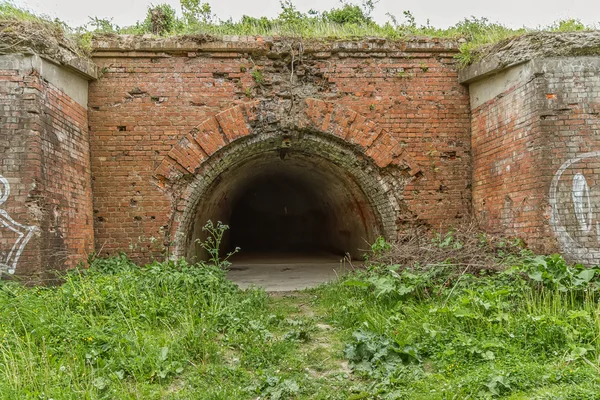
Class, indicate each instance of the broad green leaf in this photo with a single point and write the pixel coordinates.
(586, 275)
(536, 276)
(164, 352)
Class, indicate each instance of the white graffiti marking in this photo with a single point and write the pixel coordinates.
(581, 202)
(577, 243)
(10, 258)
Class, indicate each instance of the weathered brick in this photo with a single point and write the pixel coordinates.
(46, 161)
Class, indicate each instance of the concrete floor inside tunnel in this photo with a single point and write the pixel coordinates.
(293, 221)
(283, 272)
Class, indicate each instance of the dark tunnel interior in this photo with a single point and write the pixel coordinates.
(301, 204)
(280, 213)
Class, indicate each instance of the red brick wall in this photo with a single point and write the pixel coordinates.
(508, 186)
(569, 100)
(391, 115)
(520, 140)
(44, 139)
(145, 102)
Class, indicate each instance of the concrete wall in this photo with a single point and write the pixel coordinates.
(45, 182)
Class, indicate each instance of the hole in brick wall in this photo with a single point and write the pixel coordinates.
(451, 155)
(137, 218)
(301, 205)
(121, 128)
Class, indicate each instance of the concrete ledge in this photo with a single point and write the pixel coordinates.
(490, 66)
(82, 66)
(488, 80)
(533, 46)
(497, 81)
(133, 45)
(72, 81)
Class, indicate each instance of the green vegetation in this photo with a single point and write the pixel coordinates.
(530, 331)
(346, 21)
(21, 28)
(417, 330)
(9, 10)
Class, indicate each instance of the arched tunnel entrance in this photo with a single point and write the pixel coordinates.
(293, 213)
(285, 211)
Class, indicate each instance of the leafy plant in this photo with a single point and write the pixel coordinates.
(554, 273)
(196, 12)
(350, 14)
(524, 332)
(212, 244)
(160, 20)
(258, 77)
(372, 354)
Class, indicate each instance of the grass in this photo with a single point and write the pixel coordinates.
(21, 28)
(178, 331)
(495, 336)
(348, 22)
(168, 330)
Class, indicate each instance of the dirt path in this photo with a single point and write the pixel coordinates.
(323, 351)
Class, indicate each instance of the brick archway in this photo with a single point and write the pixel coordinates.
(242, 120)
(334, 135)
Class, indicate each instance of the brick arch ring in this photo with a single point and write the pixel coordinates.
(330, 133)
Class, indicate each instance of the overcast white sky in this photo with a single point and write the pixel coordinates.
(441, 13)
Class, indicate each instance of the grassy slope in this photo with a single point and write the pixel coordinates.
(174, 331)
(476, 343)
(182, 332)
(476, 32)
